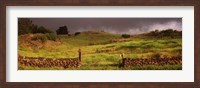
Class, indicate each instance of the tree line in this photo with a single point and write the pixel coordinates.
(166, 33)
(26, 26)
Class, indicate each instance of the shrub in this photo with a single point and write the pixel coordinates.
(62, 30)
(157, 56)
(126, 36)
(51, 36)
(40, 38)
(69, 34)
(77, 33)
(42, 30)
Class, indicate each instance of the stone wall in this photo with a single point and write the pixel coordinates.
(128, 62)
(49, 62)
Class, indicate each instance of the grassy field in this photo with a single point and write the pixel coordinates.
(101, 50)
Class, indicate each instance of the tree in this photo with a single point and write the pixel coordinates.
(62, 30)
(25, 26)
(170, 33)
(77, 33)
(126, 35)
(167, 32)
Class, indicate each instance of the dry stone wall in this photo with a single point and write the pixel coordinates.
(49, 62)
(128, 62)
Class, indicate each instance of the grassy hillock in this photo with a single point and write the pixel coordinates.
(101, 50)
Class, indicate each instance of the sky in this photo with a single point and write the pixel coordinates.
(111, 25)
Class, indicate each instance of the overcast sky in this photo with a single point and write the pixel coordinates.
(112, 25)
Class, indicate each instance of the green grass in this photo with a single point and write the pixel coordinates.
(100, 54)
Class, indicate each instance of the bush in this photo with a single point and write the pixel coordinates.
(42, 30)
(77, 33)
(156, 56)
(51, 36)
(62, 30)
(126, 36)
(40, 38)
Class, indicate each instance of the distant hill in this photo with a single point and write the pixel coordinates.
(170, 33)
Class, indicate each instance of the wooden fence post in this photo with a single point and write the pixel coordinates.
(79, 53)
(123, 60)
(122, 55)
(120, 63)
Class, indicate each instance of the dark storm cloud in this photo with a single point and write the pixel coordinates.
(112, 25)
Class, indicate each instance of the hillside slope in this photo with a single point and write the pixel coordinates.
(100, 50)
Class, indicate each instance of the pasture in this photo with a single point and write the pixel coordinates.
(101, 50)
